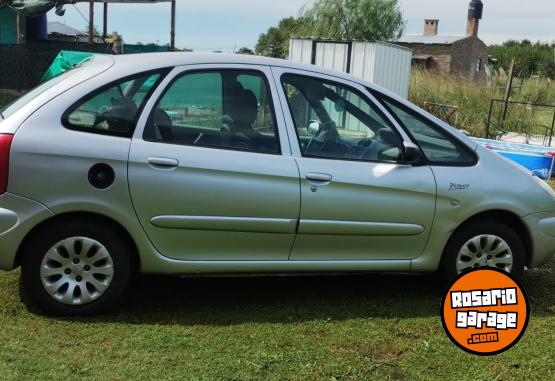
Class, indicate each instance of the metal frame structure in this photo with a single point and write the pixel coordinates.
(499, 126)
(105, 16)
(444, 112)
(321, 41)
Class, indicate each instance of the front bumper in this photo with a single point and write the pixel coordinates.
(542, 230)
(18, 216)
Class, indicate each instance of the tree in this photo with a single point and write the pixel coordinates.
(275, 42)
(374, 20)
(245, 50)
(531, 58)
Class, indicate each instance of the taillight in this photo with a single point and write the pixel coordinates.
(5, 143)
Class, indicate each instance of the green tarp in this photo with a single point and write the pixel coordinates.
(64, 61)
(37, 7)
(32, 7)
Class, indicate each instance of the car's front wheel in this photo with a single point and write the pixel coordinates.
(483, 244)
(75, 269)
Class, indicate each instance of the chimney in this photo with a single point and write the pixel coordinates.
(430, 27)
(475, 11)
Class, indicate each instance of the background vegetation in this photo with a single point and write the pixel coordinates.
(375, 20)
(473, 99)
(531, 58)
(5, 99)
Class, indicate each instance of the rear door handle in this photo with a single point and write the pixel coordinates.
(318, 177)
(163, 162)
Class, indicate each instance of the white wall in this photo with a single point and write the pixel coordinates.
(383, 64)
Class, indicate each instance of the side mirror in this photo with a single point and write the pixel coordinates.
(411, 153)
(313, 127)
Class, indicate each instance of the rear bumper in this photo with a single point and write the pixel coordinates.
(18, 215)
(542, 230)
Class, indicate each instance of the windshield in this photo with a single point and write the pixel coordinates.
(18, 103)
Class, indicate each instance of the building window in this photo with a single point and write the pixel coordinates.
(479, 65)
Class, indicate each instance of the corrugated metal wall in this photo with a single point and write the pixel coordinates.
(383, 64)
(393, 68)
(300, 50)
(334, 56)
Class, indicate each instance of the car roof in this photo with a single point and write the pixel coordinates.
(150, 61)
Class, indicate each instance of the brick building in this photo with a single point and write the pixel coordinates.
(464, 55)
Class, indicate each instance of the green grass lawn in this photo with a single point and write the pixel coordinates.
(329, 328)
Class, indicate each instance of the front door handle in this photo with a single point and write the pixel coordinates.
(163, 162)
(318, 177)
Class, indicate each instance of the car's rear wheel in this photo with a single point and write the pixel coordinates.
(483, 244)
(75, 269)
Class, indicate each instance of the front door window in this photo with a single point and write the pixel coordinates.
(336, 122)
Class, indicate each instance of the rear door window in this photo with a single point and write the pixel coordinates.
(223, 109)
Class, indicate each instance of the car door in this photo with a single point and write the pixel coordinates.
(358, 200)
(211, 175)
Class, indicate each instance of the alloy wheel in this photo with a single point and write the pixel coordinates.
(77, 271)
(485, 250)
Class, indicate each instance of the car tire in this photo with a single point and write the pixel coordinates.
(481, 244)
(76, 268)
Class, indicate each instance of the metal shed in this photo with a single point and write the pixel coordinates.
(384, 64)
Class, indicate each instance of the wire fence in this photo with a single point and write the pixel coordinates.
(22, 66)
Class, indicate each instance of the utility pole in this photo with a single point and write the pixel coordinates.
(172, 32)
(91, 22)
(105, 19)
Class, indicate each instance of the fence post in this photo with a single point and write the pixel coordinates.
(551, 132)
(18, 29)
(507, 94)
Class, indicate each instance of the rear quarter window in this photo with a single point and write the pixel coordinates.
(113, 109)
(439, 147)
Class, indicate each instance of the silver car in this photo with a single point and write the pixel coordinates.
(211, 164)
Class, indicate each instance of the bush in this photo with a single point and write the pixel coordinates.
(473, 99)
(5, 99)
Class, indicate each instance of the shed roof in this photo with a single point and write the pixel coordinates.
(55, 27)
(437, 39)
(421, 57)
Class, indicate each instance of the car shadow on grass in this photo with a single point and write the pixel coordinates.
(232, 300)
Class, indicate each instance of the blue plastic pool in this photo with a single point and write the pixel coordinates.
(539, 160)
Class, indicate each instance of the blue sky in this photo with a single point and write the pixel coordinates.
(227, 24)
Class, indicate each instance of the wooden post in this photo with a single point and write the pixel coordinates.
(551, 132)
(18, 28)
(91, 22)
(105, 29)
(172, 32)
(507, 94)
(117, 46)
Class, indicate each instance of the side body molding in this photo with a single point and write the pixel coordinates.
(358, 228)
(230, 224)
